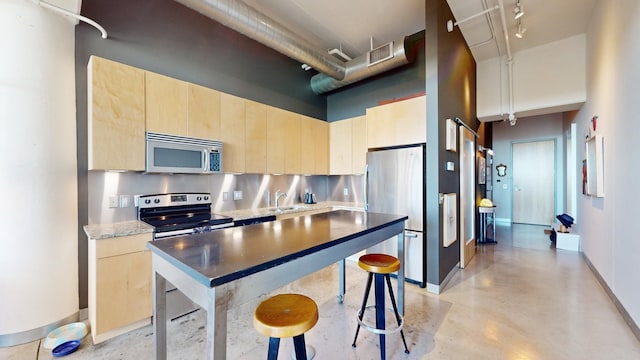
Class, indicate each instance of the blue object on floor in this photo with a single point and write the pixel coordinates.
(65, 348)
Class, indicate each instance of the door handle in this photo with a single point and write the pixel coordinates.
(410, 234)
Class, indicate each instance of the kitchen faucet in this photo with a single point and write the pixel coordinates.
(278, 196)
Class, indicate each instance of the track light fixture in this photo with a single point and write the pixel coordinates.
(521, 30)
(518, 11)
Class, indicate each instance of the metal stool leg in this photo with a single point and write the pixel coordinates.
(380, 318)
(274, 344)
(395, 309)
(364, 305)
(299, 345)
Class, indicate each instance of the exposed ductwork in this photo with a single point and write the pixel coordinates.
(334, 73)
(359, 69)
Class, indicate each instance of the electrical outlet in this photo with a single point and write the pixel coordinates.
(124, 201)
(237, 195)
(225, 196)
(345, 192)
(113, 201)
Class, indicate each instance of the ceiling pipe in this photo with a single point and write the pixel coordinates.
(237, 15)
(244, 19)
(512, 115)
(62, 11)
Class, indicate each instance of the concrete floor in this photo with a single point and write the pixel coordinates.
(518, 299)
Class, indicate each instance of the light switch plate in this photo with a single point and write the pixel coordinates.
(450, 166)
(237, 195)
(345, 192)
(225, 196)
(113, 201)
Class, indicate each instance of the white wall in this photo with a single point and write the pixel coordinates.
(609, 227)
(546, 79)
(38, 246)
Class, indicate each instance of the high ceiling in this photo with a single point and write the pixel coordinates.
(351, 25)
(354, 26)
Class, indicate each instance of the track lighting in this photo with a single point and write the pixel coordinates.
(518, 11)
(521, 30)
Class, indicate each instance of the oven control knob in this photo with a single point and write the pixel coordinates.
(199, 198)
(206, 198)
(147, 201)
(157, 201)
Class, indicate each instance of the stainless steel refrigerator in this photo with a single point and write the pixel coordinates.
(394, 184)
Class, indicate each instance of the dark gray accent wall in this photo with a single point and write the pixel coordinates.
(354, 99)
(168, 38)
(451, 92)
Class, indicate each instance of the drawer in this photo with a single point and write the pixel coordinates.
(121, 245)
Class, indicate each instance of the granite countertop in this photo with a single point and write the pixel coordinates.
(133, 227)
(124, 228)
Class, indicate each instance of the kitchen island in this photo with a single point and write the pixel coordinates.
(226, 268)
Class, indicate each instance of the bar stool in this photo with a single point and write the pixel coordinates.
(286, 315)
(379, 267)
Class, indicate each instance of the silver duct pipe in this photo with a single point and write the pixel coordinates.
(358, 69)
(244, 19)
(334, 73)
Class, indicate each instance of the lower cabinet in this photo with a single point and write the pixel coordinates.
(120, 298)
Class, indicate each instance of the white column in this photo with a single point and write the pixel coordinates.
(38, 179)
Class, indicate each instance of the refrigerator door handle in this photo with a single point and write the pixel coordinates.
(410, 234)
(365, 180)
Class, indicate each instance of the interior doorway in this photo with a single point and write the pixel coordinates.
(534, 182)
(467, 196)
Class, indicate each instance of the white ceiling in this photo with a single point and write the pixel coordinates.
(351, 24)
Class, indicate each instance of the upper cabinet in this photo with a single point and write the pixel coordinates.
(398, 123)
(116, 116)
(348, 140)
(314, 147)
(180, 108)
(283, 142)
(203, 120)
(232, 130)
(255, 137)
(166, 104)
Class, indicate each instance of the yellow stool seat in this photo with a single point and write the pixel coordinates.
(285, 315)
(379, 263)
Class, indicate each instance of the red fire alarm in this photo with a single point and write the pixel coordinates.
(594, 120)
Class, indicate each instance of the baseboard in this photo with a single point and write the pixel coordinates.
(28, 336)
(438, 288)
(625, 315)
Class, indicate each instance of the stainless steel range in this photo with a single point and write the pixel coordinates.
(180, 214)
(174, 215)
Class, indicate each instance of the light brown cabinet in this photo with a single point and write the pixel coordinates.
(166, 102)
(116, 116)
(203, 120)
(314, 147)
(255, 137)
(398, 123)
(358, 144)
(348, 146)
(119, 285)
(283, 142)
(232, 133)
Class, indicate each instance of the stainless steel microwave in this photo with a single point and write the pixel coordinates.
(182, 155)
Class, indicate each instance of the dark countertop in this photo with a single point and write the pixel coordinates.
(221, 256)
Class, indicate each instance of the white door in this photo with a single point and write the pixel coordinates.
(467, 196)
(534, 182)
